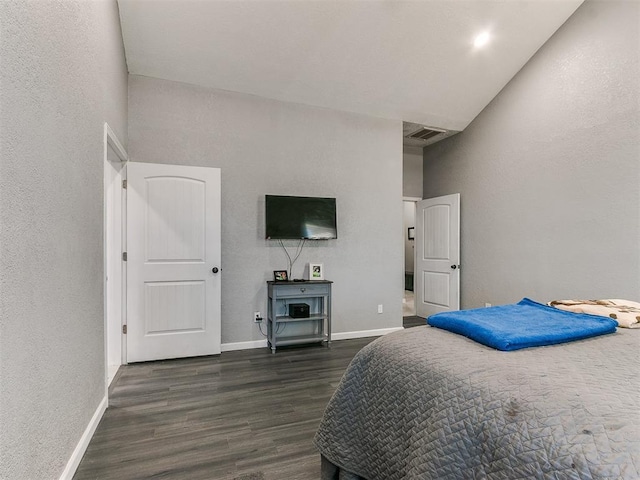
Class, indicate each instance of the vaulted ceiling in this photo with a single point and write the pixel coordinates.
(409, 60)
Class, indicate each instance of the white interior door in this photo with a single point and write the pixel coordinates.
(437, 255)
(173, 261)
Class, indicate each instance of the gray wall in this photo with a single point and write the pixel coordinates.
(269, 147)
(412, 172)
(549, 172)
(62, 76)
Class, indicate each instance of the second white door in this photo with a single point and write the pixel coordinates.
(173, 261)
(437, 274)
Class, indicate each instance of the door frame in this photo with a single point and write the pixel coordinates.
(415, 201)
(111, 259)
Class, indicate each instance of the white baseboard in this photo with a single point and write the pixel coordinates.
(78, 453)
(364, 333)
(228, 347)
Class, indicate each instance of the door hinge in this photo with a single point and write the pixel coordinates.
(124, 256)
(124, 184)
(124, 329)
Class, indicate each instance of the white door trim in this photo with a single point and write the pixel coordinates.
(112, 139)
(110, 210)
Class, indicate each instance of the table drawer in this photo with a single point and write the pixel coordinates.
(300, 290)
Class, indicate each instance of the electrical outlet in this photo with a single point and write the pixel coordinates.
(257, 317)
(487, 304)
(380, 308)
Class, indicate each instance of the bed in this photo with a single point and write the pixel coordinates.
(426, 403)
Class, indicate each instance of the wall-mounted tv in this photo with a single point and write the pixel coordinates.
(290, 217)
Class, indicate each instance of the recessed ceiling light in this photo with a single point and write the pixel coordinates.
(481, 40)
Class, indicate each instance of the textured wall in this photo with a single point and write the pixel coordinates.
(62, 76)
(270, 147)
(549, 172)
(412, 172)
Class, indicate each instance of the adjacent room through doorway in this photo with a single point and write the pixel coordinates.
(409, 215)
(412, 167)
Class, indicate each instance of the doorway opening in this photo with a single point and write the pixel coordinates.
(115, 158)
(408, 232)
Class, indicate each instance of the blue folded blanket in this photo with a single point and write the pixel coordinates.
(521, 325)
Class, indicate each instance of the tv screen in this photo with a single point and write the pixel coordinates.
(300, 217)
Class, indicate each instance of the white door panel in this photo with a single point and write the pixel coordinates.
(437, 255)
(436, 288)
(173, 228)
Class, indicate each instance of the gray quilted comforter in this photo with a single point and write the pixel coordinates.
(425, 403)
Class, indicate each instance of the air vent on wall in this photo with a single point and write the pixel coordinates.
(418, 135)
(425, 133)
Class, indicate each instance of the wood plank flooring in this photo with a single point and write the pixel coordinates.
(245, 415)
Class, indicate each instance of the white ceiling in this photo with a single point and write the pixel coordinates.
(407, 60)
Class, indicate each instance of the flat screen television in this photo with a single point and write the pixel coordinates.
(290, 217)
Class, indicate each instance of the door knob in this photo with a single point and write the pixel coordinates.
(215, 269)
(454, 267)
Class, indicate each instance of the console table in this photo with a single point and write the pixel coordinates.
(316, 294)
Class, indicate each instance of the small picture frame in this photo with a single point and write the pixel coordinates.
(316, 271)
(280, 276)
(411, 233)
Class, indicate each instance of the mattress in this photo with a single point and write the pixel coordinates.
(429, 404)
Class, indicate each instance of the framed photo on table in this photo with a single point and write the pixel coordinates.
(316, 271)
(280, 276)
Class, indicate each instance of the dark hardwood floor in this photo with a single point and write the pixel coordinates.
(246, 415)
